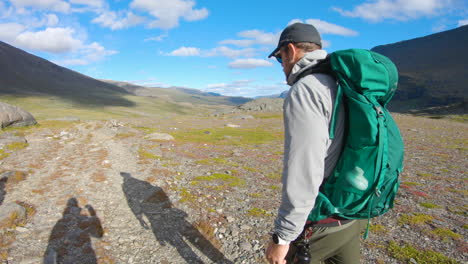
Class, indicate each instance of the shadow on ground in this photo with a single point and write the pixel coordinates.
(3, 181)
(167, 223)
(70, 239)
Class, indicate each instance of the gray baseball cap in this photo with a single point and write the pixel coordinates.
(298, 32)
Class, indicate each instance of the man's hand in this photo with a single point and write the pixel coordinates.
(275, 254)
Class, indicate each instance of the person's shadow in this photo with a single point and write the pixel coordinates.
(70, 239)
(3, 181)
(167, 223)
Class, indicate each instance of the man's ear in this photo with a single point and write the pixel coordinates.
(293, 53)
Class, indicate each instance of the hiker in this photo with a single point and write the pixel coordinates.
(309, 154)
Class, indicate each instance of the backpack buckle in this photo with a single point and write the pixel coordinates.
(379, 111)
(377, 192)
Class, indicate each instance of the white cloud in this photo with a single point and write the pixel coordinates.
(378, 10)
(116, 21)
(90, 3)
(86, 55)
(55, 40)
(462, 22)
(234, 84)
(249, 63)
(247, 88)
(157, 38)
(52, 5)
(185, 51)
(215, 52)
(253, 37)
(52, 20)
(169, 12)
(328, 28)
(9, 31)
(230, 53)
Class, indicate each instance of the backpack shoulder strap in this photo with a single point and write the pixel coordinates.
(323, 66)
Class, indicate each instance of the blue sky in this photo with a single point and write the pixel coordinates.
(211, 45)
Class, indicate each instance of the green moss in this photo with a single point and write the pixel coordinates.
(124, 135)
(3, 154)
(250, 169)
(458, 210)
(464, 192)
(16, 146)
(186, 196)
(226, 179)
(378, 228)
(257, 212)
(274, 176)
(430, 205)
(407, 252)
(411, 183)
(148, 155)
(465, 226)
(147, 130)
(275, 187)
(216, 161)
(446, 234)
(423, 174)
(255, 195)
(227, 136)
(268, 116)
(415, 219)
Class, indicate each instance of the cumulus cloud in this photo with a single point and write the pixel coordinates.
(157, 38)
(90, 3)
(253, 37)
(116, 21)
(462, 22)
(234, 84)
(249, 63)
(54, 40)
(378, 10)
(328, 28)
(185, 51)
(9, 31)
(215, 52)
(52, 5)
(246, 88)
(86, 55)
(169, 12)
(230, 53)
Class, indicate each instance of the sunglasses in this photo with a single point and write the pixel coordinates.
(278, 58)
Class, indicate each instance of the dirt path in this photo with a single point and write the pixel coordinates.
(92, 202)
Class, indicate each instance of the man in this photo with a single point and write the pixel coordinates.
(309, 154)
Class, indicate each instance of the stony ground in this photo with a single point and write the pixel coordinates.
(125, 192)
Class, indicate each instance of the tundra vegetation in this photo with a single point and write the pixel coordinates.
(224, 180)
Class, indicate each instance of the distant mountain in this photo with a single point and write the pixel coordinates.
(433, 72)
(24, 74)
(180, 94)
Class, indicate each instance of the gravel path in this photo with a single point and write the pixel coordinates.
(105, 192)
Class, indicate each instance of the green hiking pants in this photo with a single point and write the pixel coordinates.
(337, 245)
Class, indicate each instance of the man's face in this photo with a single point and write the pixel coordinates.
(287, 61)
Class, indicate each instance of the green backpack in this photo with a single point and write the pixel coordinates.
(366, 178)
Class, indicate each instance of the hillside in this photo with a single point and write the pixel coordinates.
(433, 72)
(24, 74)
(180, 94)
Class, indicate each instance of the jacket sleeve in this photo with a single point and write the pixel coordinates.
(306, 117)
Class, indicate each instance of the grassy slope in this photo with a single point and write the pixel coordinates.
(50, 107)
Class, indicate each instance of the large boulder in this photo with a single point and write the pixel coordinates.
(14, 116)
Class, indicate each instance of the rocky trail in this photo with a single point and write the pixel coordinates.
(127, 192)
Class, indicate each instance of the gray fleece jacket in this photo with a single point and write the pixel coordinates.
(309, 154)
